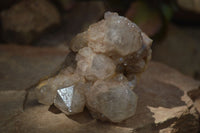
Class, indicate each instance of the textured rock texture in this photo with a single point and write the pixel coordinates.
(24, 21)
(71, 24)
(188, 43)
(16, 65)
(163, 104)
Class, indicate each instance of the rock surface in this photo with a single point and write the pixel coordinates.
(163, 106)
(18, 64)
(24, 21)
(167, 53)
(73, 25)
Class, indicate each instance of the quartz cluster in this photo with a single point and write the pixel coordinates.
(108, 59)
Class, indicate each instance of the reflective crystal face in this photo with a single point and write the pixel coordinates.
(107, 59)
(46, 90)
(63, 99)
(70, 100)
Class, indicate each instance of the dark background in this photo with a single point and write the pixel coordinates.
(174, 25)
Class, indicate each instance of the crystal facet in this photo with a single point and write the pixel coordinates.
(70, 100)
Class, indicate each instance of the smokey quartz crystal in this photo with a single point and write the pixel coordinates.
(107, 60)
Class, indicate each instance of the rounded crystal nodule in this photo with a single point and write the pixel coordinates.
(113, 100)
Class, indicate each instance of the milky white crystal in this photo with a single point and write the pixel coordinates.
(94, 66)
(113, 100)
(115, 33)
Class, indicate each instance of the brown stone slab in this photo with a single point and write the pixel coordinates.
(23, 66)
(163, 106)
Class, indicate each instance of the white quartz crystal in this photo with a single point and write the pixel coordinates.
(94, 66)
(115, 33)
(113, 100)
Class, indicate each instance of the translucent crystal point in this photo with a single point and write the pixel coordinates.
(70, 100)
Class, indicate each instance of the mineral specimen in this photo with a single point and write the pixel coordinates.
(109, 57)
